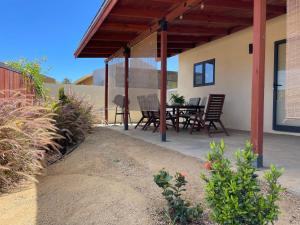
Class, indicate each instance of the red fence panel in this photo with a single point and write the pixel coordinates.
(12, 81)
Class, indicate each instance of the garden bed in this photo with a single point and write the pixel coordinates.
(109, 180)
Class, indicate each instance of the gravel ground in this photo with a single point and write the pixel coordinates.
(109, 180)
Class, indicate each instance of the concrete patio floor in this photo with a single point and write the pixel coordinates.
(281, 150)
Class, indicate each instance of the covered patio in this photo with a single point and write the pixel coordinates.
(280, 150)
(181, 25)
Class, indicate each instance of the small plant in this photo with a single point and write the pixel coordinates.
(235, 196)
(176, 99)
(62, 97)
(179, 210)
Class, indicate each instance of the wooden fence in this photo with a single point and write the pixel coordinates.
(12, 82)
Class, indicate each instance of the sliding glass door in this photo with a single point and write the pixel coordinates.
(280, 122)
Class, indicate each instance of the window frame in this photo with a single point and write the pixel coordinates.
(203, 63)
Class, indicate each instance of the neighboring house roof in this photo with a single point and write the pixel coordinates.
(48, 79)
(83, 78)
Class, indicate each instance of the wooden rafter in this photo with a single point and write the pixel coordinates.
(191, 23)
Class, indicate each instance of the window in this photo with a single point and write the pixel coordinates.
(204, 73)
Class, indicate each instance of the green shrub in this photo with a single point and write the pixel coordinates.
(74, 118)
(235, 195)
(178, 209)
(62, 97)
(27, 134)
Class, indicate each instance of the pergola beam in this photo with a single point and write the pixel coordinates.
(138, 13)
(112, 26)
(191, 30)
(179, 38)
(178, 45)
(175, 11)
(242, 5)
(114, 37)
(106, 44)
(199, 18)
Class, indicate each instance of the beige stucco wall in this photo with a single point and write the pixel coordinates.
(233, 73)
(95, 96)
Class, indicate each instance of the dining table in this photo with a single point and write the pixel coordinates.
(176, 109)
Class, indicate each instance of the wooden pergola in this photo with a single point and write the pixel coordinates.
(181, 25)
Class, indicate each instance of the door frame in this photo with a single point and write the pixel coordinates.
(278, 127)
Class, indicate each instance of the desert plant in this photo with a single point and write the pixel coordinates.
(235, 196)
(31, 70)
(27, 134)
(74, 118)
(62, 97)
(179, 210)
(177, 99)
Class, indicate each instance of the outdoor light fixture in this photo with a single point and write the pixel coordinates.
(202, 5)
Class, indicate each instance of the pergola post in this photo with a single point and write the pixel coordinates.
(126, 101)
(106, 93)
(258, 78)
(163, 79)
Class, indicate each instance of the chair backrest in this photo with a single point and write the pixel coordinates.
(214, 107)
(153, 102)
(194, 101)
(143, 103)
(119, 101)
(144, 106)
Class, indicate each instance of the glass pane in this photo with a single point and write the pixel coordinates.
(198, 74)
(209, 72)
(281, 85)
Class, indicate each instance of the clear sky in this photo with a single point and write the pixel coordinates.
(35, 29)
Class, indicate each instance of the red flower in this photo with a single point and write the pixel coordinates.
(184, 174)
(207, 165)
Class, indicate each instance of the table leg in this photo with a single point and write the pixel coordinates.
(177, 119)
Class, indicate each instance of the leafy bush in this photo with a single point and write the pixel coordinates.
(27, 134)
(74, 118)
(235, 196)
(179, 210)
(31, 70)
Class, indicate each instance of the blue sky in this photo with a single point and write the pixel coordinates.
(35, 29)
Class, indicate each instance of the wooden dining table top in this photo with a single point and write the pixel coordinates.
(185, 106)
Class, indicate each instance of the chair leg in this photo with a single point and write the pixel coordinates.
(115, 117)
(129, 118)
(141, 120)
(214, 125)
(156, 125)
(195, 125)
(223, 127)
(208, 130)
(148, 123)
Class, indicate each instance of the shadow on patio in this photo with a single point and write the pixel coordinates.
(281, 150)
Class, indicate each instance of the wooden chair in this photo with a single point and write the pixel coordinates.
(144, 107)
(210, 116)
(119, 101)
(186, 114)
(154, 112)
